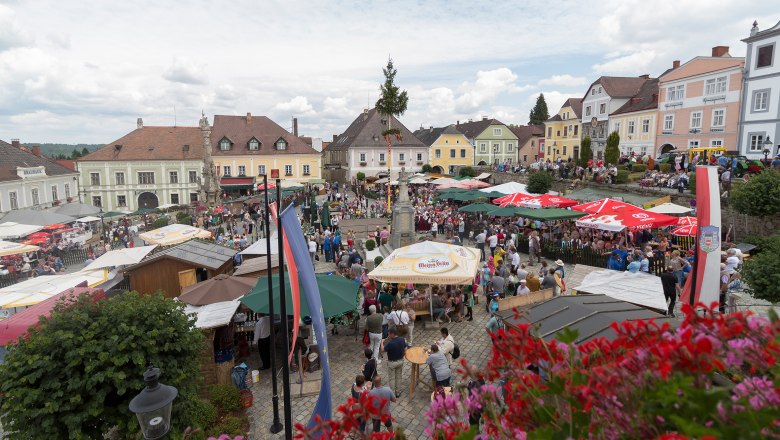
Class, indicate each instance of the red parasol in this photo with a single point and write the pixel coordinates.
(36, 241)
(547, 201)
(604, 206)
(262, 187)
(39, 234)
(687, 221)
(622, 218)
(54, 226)
(512, 199)
(686, 231)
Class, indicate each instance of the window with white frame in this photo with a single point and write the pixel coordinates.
(226, 171)
(261, 170)
(571, 130)
(193, 175)
(36, 198)
(401, 157)
(675, 93)
(496, 132)
(668, 122)
(696, 120)
(288, 170)
(97, 201)
(120, 178)
(509, 147)
(242, 170)
(645, 126)
(224, 144)
(306, 170)
(174, 176)
(631, 125)
(482, 147)
(718, 117)
(756, 143)
(174, 199)
(617, 127)
(602, 108)
(715, 85)
(13, 199)
(94, 178)
(761, 100)
(600, 89)
(437, 154)
(381, 157)
(254, 144)
(587, 111)
(362, 157)
(67, 190)
(693, 144)
(593, 92)
(716, 143)
(419, 157)
(121, 201)
(281, 144)
(54, 193)
(146, 178)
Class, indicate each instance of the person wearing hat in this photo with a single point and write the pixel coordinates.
(493, 306)
(559, 268)
(522, 288)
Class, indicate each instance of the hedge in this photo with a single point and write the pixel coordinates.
(622, 176)
(665, 167)
(638, 168)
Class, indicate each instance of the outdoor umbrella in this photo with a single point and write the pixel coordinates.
(634, 219)
(450, 190)
(325, 222)
(220, 288)
(477, 207)
(11, 248)
(76, 209)
(493, 194)
(507, 188)
(116, 213)
(121, 257)
(429, 262)
(604, 206)
(36, 241)
(464, 196)
(143, 211)
(260, 246)
(547, 201)
(512, 199)
(53, 227)
(548, 214)
(686, 231)
(16, 230)
(40, 234)
(670, 208)
(506, 211)
(338, 295)
(687, 221)
(33, 217)
(262, 187)
(471, 184)
(174, 234)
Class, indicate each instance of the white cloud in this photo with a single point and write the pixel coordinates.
(11, 33)
(336, 108)
(627, 64)
(565, 80)
(486, 88)
(185, 71)
(296, 106)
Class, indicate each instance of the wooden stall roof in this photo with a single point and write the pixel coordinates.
(196, 252)
(258, 264)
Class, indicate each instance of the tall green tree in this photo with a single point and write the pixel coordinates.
(586, 153)
(75, 374)
(392, 102)
(84, 151)
(612, 151)
(75, 154)
(539, 113)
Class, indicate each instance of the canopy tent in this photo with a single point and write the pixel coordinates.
(260, 247)
(174, 234)
(443, 180)
(88, 219)
(35, 290)
(221, 288)
(17, 230)
(76, 209)
(477, 207)
(40, 218)
(548, 214)
(670, 208)
(508, 188)
(637, 288)
(11, 248)
(121, 257)
(418, 181)
(547, 201)
(143, 211)
(115, 213)
(636, 219)
(429, 262)
(338, 294)
(213, 315)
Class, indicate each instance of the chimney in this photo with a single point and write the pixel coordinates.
(458, 122)
(431, 129)
(754, 29)
(675, 64)
(248, 118)
(15, 143)
(471, 120)
(645, 76)
(484, 118)
(334, 137)
(36, 150)
(720, 51)
(139, 123)
(295, 127)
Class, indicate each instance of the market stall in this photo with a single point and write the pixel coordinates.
(13, 230)
(34, 290)
(174, 234)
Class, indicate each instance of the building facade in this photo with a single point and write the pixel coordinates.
(562, 131)
(148, 167)
(760, 108)
(529, 138)
(363, 149)
(636, 121)
(494, 143)
(31, 180)
(604, 96)
(245, 148)
(699, 103)
(448, 148)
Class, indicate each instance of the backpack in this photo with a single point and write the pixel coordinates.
(455, 351)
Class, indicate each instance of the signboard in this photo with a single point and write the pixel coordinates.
(275, 173)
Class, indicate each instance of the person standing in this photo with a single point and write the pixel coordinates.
(369, 367)
(374, 326)
(395, 347)
(383, 397)
(358, 388)
(492, 243)
(410, 328)
(263, 340)
(669, 283)
(312, 249)
(480, 239)
(534, 248)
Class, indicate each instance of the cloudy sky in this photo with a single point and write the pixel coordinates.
(84, 70)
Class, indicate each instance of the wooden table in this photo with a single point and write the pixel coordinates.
(416, 356)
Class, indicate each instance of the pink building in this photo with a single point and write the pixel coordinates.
(699, 103)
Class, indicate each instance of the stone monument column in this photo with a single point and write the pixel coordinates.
(402, 229)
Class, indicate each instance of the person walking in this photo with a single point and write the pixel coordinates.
(263, 340)
(669, 283)
(374, 326)
(383, 397)
(312, 249)
(369, 367)
(358, 389)
(395, 347)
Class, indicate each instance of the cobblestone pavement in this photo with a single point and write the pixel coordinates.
(346, 361)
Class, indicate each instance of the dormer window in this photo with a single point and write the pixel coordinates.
(281, 144)
(225, 144)
(254, 144)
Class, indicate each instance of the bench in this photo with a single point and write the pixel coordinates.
(421, 308)
(511, 302)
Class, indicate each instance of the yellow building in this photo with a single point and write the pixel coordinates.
(636, 121)
(449, 148)
(562, 132)
(244, 148)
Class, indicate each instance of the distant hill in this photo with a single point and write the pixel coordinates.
(63, 151)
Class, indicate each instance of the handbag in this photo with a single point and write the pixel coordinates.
(366, 340)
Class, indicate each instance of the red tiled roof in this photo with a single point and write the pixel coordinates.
(645, 99)
(152, 143)
(239, 130)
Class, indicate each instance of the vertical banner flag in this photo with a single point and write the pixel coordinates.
(295, 291)
(707, 288)
(301, 263)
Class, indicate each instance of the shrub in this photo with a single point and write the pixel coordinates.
(180, 215)
(586, 153)
(753, 197)
(201, 413)
(612, 150)
(378, 260)
(622, 167)
(665, 167)
(370, 244)
(622, 176)
(760, 271)
(186, 220)
(160, 222)
(467, 172)
(361, 176)
(635, 177)
(638, 168)
(539, 183)
(229, 425)
(692, 182)
(426, 168)
(225, 397)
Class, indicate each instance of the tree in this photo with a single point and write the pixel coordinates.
(467, 171)
(539, 182)
(75, 374)
(84, 151)
(586, 153)
(760, 270)
(539, 113)
(360, 176)
(392, 102)
(426, 168)
(75, 154)
(758, 196)
(612, 151)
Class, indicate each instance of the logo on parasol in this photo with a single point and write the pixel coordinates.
(432, 265)
(189, 232)
(709, 241)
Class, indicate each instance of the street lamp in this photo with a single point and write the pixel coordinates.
(153, 405)
(767, 148)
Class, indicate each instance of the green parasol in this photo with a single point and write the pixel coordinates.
(477, 207)
(451, 190)
(492, 194)
(113, 214)
(143, 211)
(338, 294)
(507, 211)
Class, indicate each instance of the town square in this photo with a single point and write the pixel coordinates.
(282, 220)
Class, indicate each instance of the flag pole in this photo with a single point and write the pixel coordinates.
(276, 424)
(283, 311)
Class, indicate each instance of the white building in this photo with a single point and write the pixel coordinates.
(760, 111)
(30, 180)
